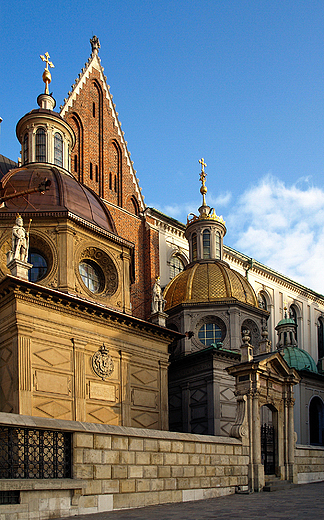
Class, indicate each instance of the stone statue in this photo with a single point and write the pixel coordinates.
(158, 302)
(20, 240)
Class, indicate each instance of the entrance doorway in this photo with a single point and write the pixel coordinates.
(268, 440)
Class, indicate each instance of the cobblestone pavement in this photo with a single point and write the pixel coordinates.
(302, 502)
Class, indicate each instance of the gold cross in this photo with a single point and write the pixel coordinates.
(46, 59)
(203, 164)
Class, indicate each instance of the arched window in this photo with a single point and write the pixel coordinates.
(94, 109)
(39, 269)
(58, 149)
(218, 246)
(262, 301)
(110, 180)
(320, 338)
(176, 266)
(115, 184)
(206, 244)
(91, 174)
(40, 145)
(25, 152)
(316, 421)
(194, 247)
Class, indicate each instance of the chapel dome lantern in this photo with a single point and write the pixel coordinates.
(43, 134)
(206, 231)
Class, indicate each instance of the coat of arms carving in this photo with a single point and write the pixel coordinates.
(102, 363)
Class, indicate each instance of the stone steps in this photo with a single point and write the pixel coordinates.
(273, 483)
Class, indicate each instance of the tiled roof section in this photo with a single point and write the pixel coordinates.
(6, 165)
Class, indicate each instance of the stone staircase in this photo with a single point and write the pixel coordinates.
(273, 483)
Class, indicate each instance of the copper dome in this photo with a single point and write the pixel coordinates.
(207, 282)
(65, 196)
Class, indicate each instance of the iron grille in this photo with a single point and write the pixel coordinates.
(268, 449)
(35, 454)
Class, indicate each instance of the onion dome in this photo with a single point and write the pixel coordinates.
(206, 282)
(64, 197)
(299, 359)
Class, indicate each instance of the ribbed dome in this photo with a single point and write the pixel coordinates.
(208, 282)
(299, 359)
(65, 195)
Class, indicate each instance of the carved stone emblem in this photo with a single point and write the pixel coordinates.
(102, 363)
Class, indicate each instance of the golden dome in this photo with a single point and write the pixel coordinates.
(207, 282)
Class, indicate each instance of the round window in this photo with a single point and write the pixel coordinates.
(91, 275)
(39, 269)
(210, 333)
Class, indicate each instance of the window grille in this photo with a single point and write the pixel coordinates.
(34, 454)
(40, 145)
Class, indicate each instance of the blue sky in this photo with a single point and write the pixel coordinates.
(238, 82)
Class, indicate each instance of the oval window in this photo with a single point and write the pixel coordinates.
(92, 276)
(39, 269)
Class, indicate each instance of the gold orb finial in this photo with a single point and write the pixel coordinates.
(203, 175)
(47, 78)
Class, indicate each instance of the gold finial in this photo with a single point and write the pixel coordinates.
(202, 178)
(47, 78)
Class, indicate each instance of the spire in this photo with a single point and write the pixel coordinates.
(206, 231)
(46, 100)
(47, 78)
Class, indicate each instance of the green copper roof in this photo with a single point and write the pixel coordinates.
(287, 321)
(299, 359)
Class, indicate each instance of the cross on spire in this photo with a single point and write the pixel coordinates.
(203, 164)
(47, 78)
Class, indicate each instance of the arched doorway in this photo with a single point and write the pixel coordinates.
(316, 421)
(268, 419)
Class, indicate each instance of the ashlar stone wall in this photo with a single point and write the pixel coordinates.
(309, 463)
(117, 467)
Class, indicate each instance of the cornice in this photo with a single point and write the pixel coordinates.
(11, 286)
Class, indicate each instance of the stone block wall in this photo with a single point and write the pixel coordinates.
(118, 467)
(134, 468)
(309, 462)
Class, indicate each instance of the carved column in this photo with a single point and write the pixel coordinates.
(25, 376)
(291, 441)
(164, 408)
(79, 380)
(126, 259)
(125, 388)
(256, 435)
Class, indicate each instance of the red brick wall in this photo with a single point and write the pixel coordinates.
(98, 143)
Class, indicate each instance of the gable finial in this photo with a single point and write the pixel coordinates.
(47, 78)
(203, 175)
(95, 44)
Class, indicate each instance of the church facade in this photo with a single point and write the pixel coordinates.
(96, 252)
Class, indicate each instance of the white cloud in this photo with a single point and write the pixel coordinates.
(283, 227)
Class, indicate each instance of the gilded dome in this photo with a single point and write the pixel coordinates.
(64, 196)
(207, 282)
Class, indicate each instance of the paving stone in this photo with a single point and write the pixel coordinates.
(303, 502)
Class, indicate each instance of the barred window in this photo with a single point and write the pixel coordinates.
(176, 266)
(58, 149)
(210, 333)
(40, 145)
(206, 244)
